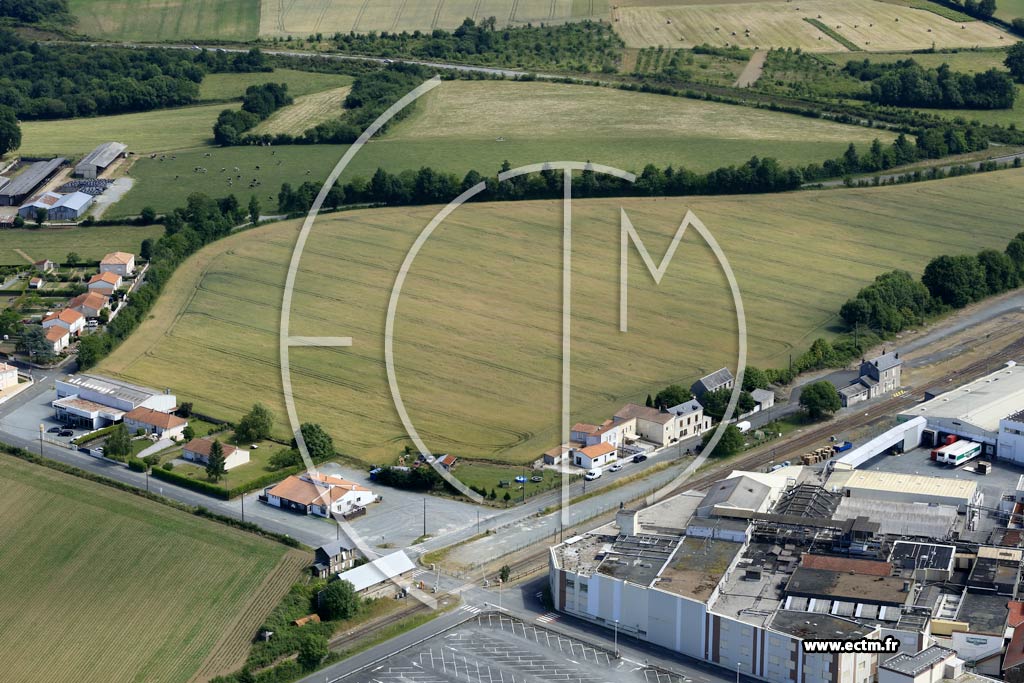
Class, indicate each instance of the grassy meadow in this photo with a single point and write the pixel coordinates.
(168, 20)
(89, 243)
(869, 24)
(306, 112)
(465, 125)
(478, 326)
(231, 86)
(186, 593)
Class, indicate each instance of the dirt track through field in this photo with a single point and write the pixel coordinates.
(752, 71)
(25, 256)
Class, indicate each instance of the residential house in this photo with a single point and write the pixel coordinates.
(8, 376)
(381, 577)
(719, 379)
(656, 426)
(104, 283)
(164, 425)
(45, 266)
(36, 283)
(118, 262)
(198, 451)
(598, 455)
(90, 304)
(94, 401)
(70, 320)
(333, 558)
(690, 419)
(318, 494)
(877, 376)
(58, 337)
(447, 462)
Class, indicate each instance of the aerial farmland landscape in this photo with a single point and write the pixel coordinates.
(479, 341)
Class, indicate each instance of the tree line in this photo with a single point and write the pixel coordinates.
(259, 102)
(35, 11)
(906, 83)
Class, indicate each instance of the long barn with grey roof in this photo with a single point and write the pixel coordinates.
(28, 181)
(97, 161)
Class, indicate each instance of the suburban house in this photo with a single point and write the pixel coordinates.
(118, 262)
(610, 431)
(690, 419)
(58, 337)
(36, 283)
(70, 320)
(652, 424)
(318, 494)
(45, 266)
(93, 401)
(333, 558)
(719, 379)
(164, 425)
(380, 578)
(877, 376)
(104, 283)
(8, 376)
(198, 451)
(89, 304)
(598, 455)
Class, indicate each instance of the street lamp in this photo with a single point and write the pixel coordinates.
(616, 638)
(42, 428)
(737, 672)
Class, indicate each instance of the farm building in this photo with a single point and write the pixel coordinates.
(333, 558)
(95, 401)
(378, 578)
(976, 410)
(118, 262)
(69, 319)
(8, 376)
(58, 337)
(66, 207)
(318, 494)
(89, 304)
(97, 161)
(104, 283)
(36, 283)
(164, 425)
(719, 379)
(198, 450)
(44, 266)
(28, 181)
(43, 202)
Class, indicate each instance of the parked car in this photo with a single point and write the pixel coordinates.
(536, 479)
(54, 430)
(521, 479)
(616, 467)
(639, 457)
(593, 474)
(65, 432)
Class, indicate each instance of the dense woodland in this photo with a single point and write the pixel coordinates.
(35, 11)
(259, 102)
(907, 84)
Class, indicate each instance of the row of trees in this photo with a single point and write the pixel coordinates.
(35, 11)
(259, 102)
(896, 300)
(906, 83)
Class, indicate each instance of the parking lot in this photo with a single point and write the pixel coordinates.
(496, 648)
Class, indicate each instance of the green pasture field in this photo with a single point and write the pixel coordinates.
(89, 243)
(968, 61)
(870, 24)
(303, 17)
(187, 593)
(230, 86)
(144, 133)
(1008, 10)
(465, 125)
(478, 328)
(168, 20)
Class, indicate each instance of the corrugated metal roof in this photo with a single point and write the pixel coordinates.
(30, 178)
(102, 155)
(380, 570)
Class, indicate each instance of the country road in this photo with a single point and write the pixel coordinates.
(752, 71)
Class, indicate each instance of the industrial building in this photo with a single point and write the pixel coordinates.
(92, 401)
(95, 162)
(894, 487)
(977, 411)
(28, 181)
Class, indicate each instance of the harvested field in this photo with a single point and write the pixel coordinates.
(306, 112)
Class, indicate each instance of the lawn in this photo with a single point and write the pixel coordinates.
(229, 86)
(303, 17)
(243, 474)
(168, 20)
(1008, 10)
(465, 125)
(185, 592)
(478, 327)
(54, 243)
(144, 133)
(869, 24)
(488, 475)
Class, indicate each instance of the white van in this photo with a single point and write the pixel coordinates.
(593, 474)
(744, 426)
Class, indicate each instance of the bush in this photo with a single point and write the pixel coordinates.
(196, 485)
(136, 465)
(338, 601)
(168, 466)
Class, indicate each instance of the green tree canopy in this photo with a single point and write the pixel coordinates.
(672, 395)
(339, 601)
(318, 442)
(313, 650)
(10, 131)
(955, 280)
(755, 378)
(730, 443)
(215, 467)
(820, 399)
(119, 443)
(255, 425)
(1015, 61)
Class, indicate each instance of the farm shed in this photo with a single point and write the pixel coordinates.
(97, 161)
(28, 181)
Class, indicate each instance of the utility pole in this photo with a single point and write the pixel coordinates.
(477, 521)
(147, 478)
(41, 429)
(424, 516)
(525, 481)
(242, 501)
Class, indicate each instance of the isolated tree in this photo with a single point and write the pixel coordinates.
(318, 442)
(284, 457)
(730, 443)
(254, 209)
(820, 399)
(188, 433)
(312, 651)
(41, 216)
(91, 349)
(1015, 61)
(146, 249)
(507, 497)
(672, 395)
(256, 424)
(147, 216)
(119, 443)
(10, 131)
(504, 573)
(650, 401)
(72, 259)
(215, 468)
(339, 601)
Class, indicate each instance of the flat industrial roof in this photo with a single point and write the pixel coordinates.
(106, 385)
(982, 403)
(813, 583)
(912, 665)
(908, 484)
(811, 625)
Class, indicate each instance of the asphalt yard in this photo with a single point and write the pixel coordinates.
(496, 648)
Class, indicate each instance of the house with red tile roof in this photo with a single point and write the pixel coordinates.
(318, 494)
(164, 425)
(198, 451)
(58, 337)
(104, 283)
(69, 319)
